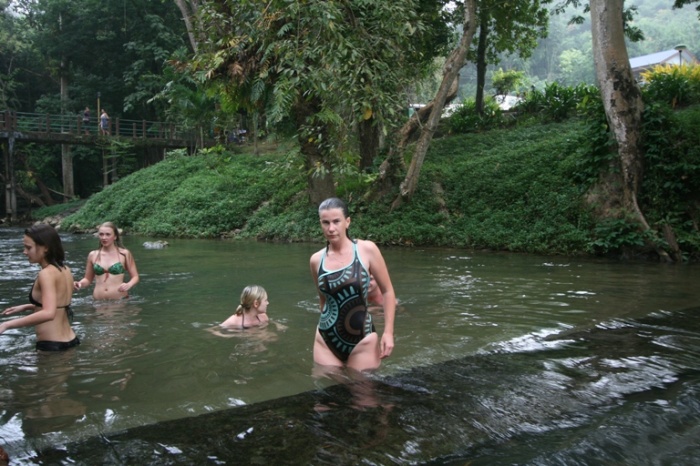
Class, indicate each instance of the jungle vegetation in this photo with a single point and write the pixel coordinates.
(333, 94)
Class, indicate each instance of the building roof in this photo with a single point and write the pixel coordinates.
(672, 56)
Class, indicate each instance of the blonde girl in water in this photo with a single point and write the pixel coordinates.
(108, 266)
(252, 312)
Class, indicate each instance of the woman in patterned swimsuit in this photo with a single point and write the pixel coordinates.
(345, 335)
(108, 265)
(50, 296)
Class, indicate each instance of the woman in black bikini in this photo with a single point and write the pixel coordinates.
(50, 295)
(108, 266)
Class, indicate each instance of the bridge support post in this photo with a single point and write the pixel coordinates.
(10, 183)
(67, 169)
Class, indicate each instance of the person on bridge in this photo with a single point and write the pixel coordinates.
(50, 295)
(104, 123)
(108, 266)
(86, 120)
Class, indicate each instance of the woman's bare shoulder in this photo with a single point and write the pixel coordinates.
(316, 257)
(368, 246)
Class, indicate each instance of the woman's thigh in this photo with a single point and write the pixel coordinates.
(365, 356)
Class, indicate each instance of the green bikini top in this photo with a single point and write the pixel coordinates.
(115, 269)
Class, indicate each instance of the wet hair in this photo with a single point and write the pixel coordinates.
(250, 294)
(117, 236)
(45, 235)
(334, 203)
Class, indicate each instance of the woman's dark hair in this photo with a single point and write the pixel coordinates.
(334, 203)
(46, 235)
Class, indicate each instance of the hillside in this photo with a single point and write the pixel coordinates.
(507, 189)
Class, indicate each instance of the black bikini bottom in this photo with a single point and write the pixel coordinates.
(56, 345)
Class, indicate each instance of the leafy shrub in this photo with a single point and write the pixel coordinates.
(557, 102)
(672, 85)
(616, 235)
(506, 81)
(466, 119)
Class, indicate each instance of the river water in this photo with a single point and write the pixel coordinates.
(500, 359)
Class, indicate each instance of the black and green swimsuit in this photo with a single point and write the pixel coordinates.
(344, 319)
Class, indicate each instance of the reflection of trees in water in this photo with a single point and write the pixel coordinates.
(44, 397)
(112, 327)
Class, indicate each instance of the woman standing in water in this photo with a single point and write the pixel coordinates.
(108, 266)
(345, 335)
(50, 295)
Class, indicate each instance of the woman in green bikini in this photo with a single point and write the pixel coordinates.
(108, 266)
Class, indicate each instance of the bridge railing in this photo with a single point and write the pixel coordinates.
(74, 125)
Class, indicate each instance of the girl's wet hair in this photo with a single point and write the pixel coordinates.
(334, 203)
(45, 235)
(250, 294)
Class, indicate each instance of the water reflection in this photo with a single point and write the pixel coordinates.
(250, 340)
(494, 353)
(45, 395)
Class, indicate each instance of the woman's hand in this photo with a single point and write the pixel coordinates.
(15, 309)
(387, 345)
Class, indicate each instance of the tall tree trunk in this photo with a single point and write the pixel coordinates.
(67, 167)
(369, 142)
(66, 155)
(481, 60)
(319, 175)
(622, 99)
(454, 63)
(188, 9)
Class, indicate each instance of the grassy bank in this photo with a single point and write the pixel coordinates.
(503, 190)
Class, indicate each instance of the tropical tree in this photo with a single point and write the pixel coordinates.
(453, 64)
(323, 66)
(61, 55)
(506, 27)
(622, 101)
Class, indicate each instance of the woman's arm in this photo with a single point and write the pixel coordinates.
(313, 265)
(89, 273)
(47, 284)
(377, 268)
(133, 272)
(19, 308)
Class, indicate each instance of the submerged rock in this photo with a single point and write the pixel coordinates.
(155, 244)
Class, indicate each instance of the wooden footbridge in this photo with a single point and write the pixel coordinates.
(70, 130)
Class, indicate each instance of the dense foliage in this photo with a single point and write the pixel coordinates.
(479, 191)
